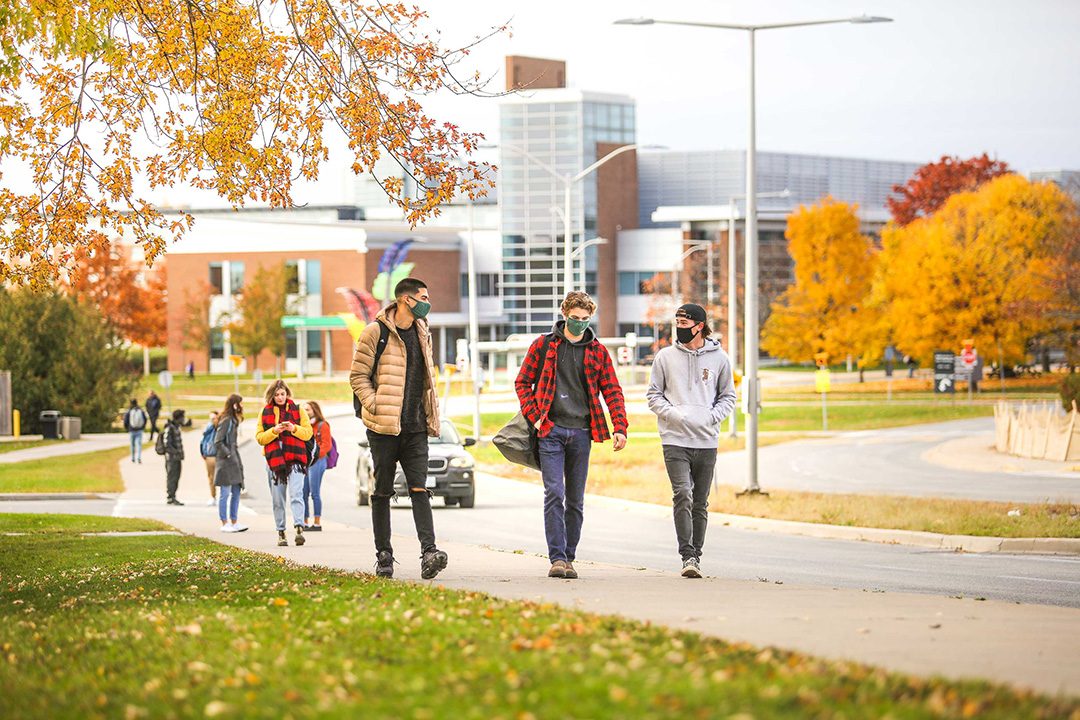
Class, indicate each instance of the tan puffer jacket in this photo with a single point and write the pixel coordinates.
(381, 401)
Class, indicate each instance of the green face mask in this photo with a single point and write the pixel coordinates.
(576, 327)
(420, 309)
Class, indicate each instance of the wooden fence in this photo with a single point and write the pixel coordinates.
(1037, 430)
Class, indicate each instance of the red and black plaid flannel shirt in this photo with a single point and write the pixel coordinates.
(536, 394)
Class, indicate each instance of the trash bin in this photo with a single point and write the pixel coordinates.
(50, 424)
(70, 427)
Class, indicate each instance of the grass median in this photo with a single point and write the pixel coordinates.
(87, 472)
(181, 627)
(13, 445)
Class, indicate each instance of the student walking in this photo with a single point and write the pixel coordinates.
(134, 422)
(692, 392)
(314, 477)
(206, 449)
(153, 408)
(559, 386)
(283, 429)
(229, 470)
(174, 454)
(393, 378)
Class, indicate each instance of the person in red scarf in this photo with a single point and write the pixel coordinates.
(283, 429)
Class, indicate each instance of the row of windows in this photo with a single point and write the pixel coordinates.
(314, 344)
(633, 283)
(487, 284)
(312, 276)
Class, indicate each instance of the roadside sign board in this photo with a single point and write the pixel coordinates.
(164, 378)
(236, 360)
(822, 381)
(626, 355)
(944, 371)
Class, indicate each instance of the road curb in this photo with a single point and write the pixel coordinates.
(16, 497)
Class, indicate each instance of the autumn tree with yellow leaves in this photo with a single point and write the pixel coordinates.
(987, 266)
(824, 309)
(102, 99)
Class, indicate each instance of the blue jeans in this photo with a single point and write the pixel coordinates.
(313, 487)
(229, 498)
(136, 445)
(291, 493)
(564, 465)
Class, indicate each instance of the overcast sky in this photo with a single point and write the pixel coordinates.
(956, 77)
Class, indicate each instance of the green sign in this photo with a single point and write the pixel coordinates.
(313, 322)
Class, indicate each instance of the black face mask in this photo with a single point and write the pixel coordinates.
(685, 335)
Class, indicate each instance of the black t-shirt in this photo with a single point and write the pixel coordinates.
(570, 406)
(413, 416)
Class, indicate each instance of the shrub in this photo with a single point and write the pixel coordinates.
(62, 356)
(1070, 391)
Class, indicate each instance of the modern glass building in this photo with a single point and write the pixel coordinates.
(548, 135)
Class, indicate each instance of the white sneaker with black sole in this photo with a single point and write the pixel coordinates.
(691, 568)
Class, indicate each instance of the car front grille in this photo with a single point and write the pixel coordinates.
(436, 465)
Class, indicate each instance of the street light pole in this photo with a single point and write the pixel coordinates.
(750, 379)
(474, 322)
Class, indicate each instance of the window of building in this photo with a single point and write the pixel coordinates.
(487, 284)
(313, 277)
(292, 277)
(314, 344)
(217, 344)
(236, 277)
(217, 286)
(290, 342)
(633, 283)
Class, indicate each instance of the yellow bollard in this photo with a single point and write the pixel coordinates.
(15, 422)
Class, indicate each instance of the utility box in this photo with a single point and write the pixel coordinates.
(70, 427)
(50, 424)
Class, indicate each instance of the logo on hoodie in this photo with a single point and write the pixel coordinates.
(705, 375)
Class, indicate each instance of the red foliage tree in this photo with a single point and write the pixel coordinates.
(932, 184)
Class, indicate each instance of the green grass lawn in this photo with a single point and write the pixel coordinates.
(87, 472)
(181, 627)
(13, 445)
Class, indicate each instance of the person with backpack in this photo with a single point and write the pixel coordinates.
(134, 422)
(393, 381)
(229, 470)
(559, 386)
(324, 442)
(170, 443)
(206, 449)
(692, 392)
(153, 409)
(283, 431)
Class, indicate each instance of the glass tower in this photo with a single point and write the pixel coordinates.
(545, 137)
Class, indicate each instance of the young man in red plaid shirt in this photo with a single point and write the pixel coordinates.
(560, 394)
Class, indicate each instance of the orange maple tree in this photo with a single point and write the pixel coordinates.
(130, 298)
(934, 183)
(100, 98)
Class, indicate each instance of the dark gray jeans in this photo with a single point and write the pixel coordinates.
(691, 472)
(172, 476)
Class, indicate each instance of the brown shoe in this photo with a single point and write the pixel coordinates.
(558, 569)
(568, 571)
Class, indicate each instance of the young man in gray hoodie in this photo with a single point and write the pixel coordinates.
(692, 392)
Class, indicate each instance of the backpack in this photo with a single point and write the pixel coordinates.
(136, 421)
(384, 335)
(312, 447)
(206, 445)
(332, 456)
(159, 444)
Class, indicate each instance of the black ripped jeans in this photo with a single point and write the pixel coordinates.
(411, 451)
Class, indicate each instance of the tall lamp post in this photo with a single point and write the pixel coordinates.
(568, 182)
(751, 389)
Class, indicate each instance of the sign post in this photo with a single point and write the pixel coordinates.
(236, 360)
(164, 379)
(967, 365)
(944, 372)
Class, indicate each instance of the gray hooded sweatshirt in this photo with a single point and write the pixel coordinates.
(691, 392)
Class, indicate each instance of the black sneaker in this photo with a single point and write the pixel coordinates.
(281, 541)
(691, 568)
(432, 563)
(174, 501)
(299, 535)
(384, 564)
(313, 528)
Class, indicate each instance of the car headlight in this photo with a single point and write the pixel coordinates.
(462, 462)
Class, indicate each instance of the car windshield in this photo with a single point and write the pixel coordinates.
(449, 435)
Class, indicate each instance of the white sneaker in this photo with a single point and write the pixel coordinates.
(228, 528)
(211, 502)
(239, 528)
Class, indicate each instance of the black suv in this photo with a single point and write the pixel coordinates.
(451, 470)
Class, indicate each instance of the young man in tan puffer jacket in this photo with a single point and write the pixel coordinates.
(400, 410)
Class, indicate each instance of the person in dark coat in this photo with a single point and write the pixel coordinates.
(229, 470)
(174, 454)
(153, 409)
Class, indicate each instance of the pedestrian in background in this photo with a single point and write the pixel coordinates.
(283, 429)
(134, 422)
(559, 386)
(315, 472)
(174, 454)
(229, 470)
(692, 391)
(206, 449)
(153, 408)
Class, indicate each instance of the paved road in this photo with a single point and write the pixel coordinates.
(891, 462)
(508, 517)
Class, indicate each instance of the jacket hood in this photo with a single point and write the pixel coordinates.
(587, 337)
(710, 345)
